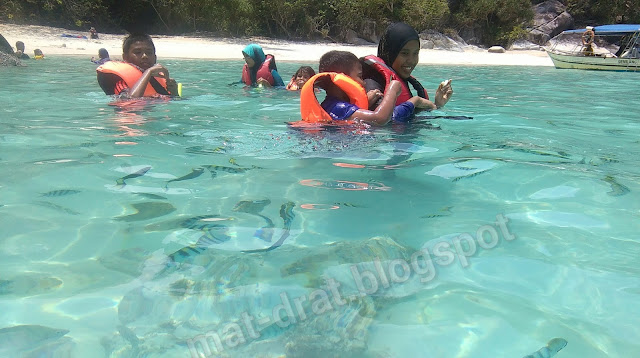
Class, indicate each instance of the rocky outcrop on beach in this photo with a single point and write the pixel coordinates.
(550, 19)
(433, 40)
(6, 54)
(9, 60)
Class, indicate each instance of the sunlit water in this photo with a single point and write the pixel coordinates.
(107, 249)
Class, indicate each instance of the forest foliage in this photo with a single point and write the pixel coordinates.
(490, 21)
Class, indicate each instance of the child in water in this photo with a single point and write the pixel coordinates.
(337, 103)
(299, 78)
(138, 75)
(37, 54)
(260, 69)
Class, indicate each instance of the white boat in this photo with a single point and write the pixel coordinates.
(595, 48)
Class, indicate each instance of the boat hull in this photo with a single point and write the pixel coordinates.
(594, 62)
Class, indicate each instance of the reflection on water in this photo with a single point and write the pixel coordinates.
(207, 226)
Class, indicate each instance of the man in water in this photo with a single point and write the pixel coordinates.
(139, 75)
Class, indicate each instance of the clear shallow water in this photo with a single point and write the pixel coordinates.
(552, 151)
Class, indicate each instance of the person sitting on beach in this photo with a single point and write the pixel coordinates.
(37, 54)
(93, 34)
(398, 55)
(259, 69)
(138, 75)
(103, 56)
(299, 78)
(338, 104)
(20, 51)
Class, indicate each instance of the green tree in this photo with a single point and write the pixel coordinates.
(495, 21)
(425, 14)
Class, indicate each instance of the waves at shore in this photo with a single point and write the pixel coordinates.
(51, 42)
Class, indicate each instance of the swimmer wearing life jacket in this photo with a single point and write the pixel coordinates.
(259, 69)
(138, 75)
(346, 101)
(398, 55)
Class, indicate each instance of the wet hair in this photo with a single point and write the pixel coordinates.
(304, 70)
(38, 52)
(19, 45)
(337, 61)
(136, 37)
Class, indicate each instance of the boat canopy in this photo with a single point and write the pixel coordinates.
(612, 30)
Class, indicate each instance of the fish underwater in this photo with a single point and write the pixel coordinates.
(251, 206)
(617, 189)
(550, 350)
(139, 173)
(50, 205)
(214, 169)
(61, 192)
(194, 174)
(287, 215)
(151, 196)
(446, 211)
(147, 210)
(254, 207)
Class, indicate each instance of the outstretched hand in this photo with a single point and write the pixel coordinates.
(443, 93)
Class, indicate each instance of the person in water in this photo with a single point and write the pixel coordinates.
(103, 56)
(20, 51)
(139, 75)
(299, 78)
(337, 103)
(37, 54)
(398, 55)
(260, 69)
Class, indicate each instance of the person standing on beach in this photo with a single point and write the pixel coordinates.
(139, 75)
(260, 69)
(398, 55)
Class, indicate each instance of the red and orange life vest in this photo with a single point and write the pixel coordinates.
(312, 111)
(389, 74)
(264, 71)
(130, 75)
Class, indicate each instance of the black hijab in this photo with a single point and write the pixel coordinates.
(395, 37)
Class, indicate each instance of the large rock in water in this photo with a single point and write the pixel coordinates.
(9, 60)
(550, 18)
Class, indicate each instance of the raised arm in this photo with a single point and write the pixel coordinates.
(153, 71)
(382, 114)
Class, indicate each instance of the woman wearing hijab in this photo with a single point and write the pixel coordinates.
(398, 55)
(259, 69)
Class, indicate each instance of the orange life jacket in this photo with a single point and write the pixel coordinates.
(130, 75)
(310, 108)
(264, 71)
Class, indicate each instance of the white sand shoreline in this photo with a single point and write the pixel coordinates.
(50, 41)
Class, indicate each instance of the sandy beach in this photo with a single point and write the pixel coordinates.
(52, 43)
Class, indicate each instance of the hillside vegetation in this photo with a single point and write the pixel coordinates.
(492, 21)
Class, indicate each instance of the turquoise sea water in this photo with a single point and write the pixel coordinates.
(131, 231)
